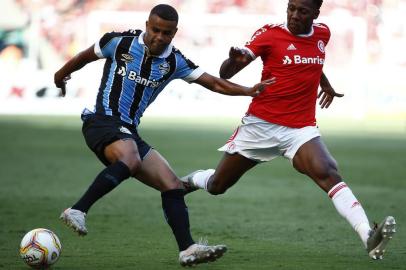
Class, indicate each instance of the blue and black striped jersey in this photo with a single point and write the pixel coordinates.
(132, 79)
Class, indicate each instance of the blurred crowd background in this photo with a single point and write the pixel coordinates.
(365, 58)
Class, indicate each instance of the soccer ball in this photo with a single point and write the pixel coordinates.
(40, 248)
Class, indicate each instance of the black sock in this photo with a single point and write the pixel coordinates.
(106, 181)
(176, 214)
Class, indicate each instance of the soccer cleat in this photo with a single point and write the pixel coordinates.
(380, 236)
(201, 253)
(75, 219)
(188, 182)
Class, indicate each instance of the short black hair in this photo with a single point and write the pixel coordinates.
(318, 3)
(165, 12)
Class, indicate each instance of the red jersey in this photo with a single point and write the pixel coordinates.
(297, 63)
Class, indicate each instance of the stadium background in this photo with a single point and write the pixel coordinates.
(365, 58)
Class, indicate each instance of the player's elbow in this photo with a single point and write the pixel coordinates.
(224, 75)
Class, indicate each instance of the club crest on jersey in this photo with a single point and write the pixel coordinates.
(321, 46)
(164, 68)
(126, 57)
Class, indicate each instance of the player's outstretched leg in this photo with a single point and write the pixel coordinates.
(201, 253)
(380, 236)
(75, 219)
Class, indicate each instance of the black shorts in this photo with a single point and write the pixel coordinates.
(101, 130)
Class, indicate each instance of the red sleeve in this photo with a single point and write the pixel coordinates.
(326, 31)
(259, 41)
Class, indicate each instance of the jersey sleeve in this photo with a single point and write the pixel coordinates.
(328, 33)
(186, 69)
(259, 41)
(325, 32)
(105, 47)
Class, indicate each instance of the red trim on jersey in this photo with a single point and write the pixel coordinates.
(233, 135)
(336, 189)
(296, 62)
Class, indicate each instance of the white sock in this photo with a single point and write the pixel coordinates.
(200, 178)
(349, 207)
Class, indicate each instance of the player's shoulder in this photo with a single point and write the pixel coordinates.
(113, 36)
(130, 33)
(178, 52)
(265, 33)
(321, 27)
(180, 56)
(270, 27)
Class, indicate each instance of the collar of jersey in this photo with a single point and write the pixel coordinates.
(285, 26)
(165, 54)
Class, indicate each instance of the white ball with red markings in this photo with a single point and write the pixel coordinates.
(40, 248)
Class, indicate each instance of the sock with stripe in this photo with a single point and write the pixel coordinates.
(349, 207)
(105, 182)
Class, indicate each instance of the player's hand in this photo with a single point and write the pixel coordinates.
(260, 87)
(238, 54)
(327, 95)
(60, 82)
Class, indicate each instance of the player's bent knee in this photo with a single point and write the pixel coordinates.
(216, 189)
(327, 174)
(133, 163)
(170, 185)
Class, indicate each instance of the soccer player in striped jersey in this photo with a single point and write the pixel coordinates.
(281, 120)
(138, 67)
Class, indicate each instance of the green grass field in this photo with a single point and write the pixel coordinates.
(274, 218)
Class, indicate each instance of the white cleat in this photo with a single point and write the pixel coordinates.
(188, 182)
(201, 253)
(75, 219)
(380, 236)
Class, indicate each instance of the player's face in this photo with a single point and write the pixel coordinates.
(159, 34)
(301, 14)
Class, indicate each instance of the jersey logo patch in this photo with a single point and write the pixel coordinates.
(125, 130)
(164, 68)
(291, 47)
(133, 76)
(321, 46)
(127, 57)
(297, 59)
(287, 60)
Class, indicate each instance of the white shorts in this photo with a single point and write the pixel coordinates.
(262, 141)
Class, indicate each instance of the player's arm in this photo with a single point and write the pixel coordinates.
(237, 59)
(225, 87)
(327, 92)
(77, 62)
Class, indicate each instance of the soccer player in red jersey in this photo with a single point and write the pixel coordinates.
(281, 120)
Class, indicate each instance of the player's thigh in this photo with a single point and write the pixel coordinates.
(156, 172)
(230, 169)
(111, 139)
(124, 150)
(314, 159)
